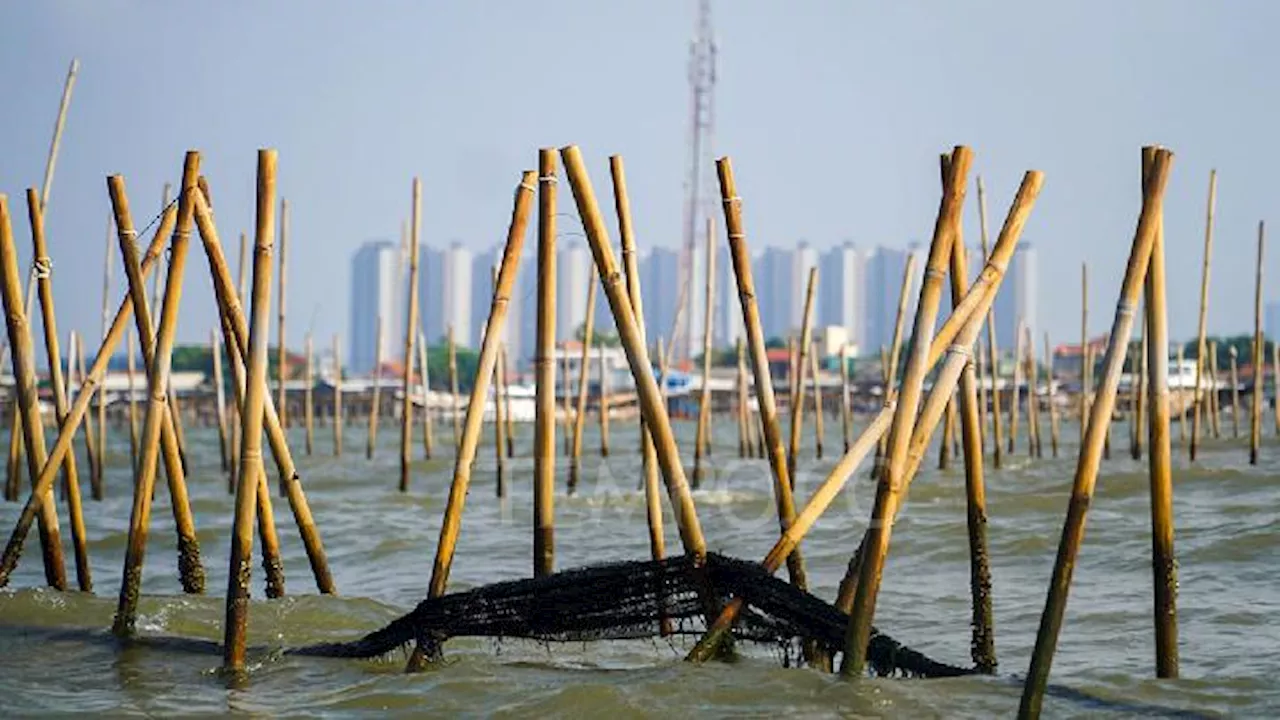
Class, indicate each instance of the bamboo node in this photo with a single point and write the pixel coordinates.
(525, 186)
(1124, 309)
(960, 349)
(42, 267)
(544, 179)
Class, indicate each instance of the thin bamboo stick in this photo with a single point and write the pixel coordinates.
(1259, 363)
(1087, 466)
(993, 354)
(1015, 401)
(499, 427)
(1215, 409)
(948, 426)
(157, 356)
(580, 415)
(308, 400)
(1182, 400)
(890, 369)
(282, 356)
(744, 427)
(1235, 393)
(377, 392)
(1202, 326)
(22, 357)
(888, 492)
(818, 433)
(452, 524)
(411, 335)
(565, 413)
(242, 291)
(797, 374)
(1163, 560)
(237, 614)
(983, 421)
(631, 265)
(221, 396)
(1275, 378)
(604, 402)
(75, 364)
(503, 361)
(702, 441)
(1033, 394)
(637, 355)
(453, 389)
(229, 305)
(79, 408)
(428, 431)
(337, 397)
(1049, 358)
(96, 479)
(544, 367)
(133, 402)
(1139, 415)
(71, 479)
(846, 410)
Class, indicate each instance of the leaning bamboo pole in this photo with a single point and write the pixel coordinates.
(308, 399)
(133, 402)
(499, 427)
(702, 439)
(465, 457)
(377, 392)
(909, 392)
(67, 431)
(1087, 466)
(453, 389)
(631, 266)
(801, 357)
(428, 431)
(27, 403)
(544, 367)
(1259, 363)
(71, 478)
(220, 397)
(251, 420)
(1049, 358)
(580, 414)
(411, 335)
(1201, 348)
(818, 433)
(603, 400)
(637, 355)
(155, 430)
(337, 396)
(282, 356)
(993, 355)
(229, 306)
(1163, 560)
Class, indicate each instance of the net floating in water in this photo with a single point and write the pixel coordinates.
(634, 600)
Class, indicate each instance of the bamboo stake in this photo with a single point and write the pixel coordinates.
(637, 355)
(846, 411)
(1182, 401)
(377, 391)
(242, 291)
(79, 408)
(475, 409)
(1087, 466)
(544, 366)
(1275, 378)
(797, 373)
(229, 305)
(631, 264)
(817, 403)
(499, 427)
(890, 369)
(564, 400)
(453, 389)
(221, 396)
(506, 399)
(580, 415)
(891, 479)
(983, 423)
(428, 433)
(157, 355)
(337, 397)
(1259, 364)
(308, 401)
(1202, 326)
(27, 401)
(1215, 409)
(133, 403)
(1235, 393)
(410, 335)
(744, 428)
(1033, 395)
(997, 439)
(251, 419)
(75, 364)
(36, 450)
(702, 440)
(604, 402)
(1140, 394)
(1163, 560)
(282, 356)
(1049, 358)
(1015, 402)
(96, 478)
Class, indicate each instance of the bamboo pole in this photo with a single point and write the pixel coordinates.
(241, 292)
(604, 402)
(1215, 409)
(251, 419)
(27, 402)
(157, 355)
(983, 423)
(1182, 400)
(1275, 378)
(702, 440)
(1015, 401)
(797, 373)
(229, 305)
(377, 391)
(846, 411)
(71, 479)
(631, 265)
(499, 427)
(564, 400)
(1049, 358)
(1140, 393)
(744, 427)
(1259, 362)
(75, 364)
(1163, 560)
(282, 356)
(891, 479)
(1235, 393)
(410, 335)
(452, 524)
(79, 408)
(337, 397)
(993, 354)
(580, 415)
(96, 478)
(503, 361)
(818, 433)
(428, 432)
(220, 396)
(948, 425)
(453, 389)
(544, 366)
(1087, 466)
(133, 403)
(890, 370)
(308, 400)
(1033, 395)
(1202, 326)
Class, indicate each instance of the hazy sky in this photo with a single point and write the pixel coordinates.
(834, 113)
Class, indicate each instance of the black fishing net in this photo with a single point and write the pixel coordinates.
(637, 599)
